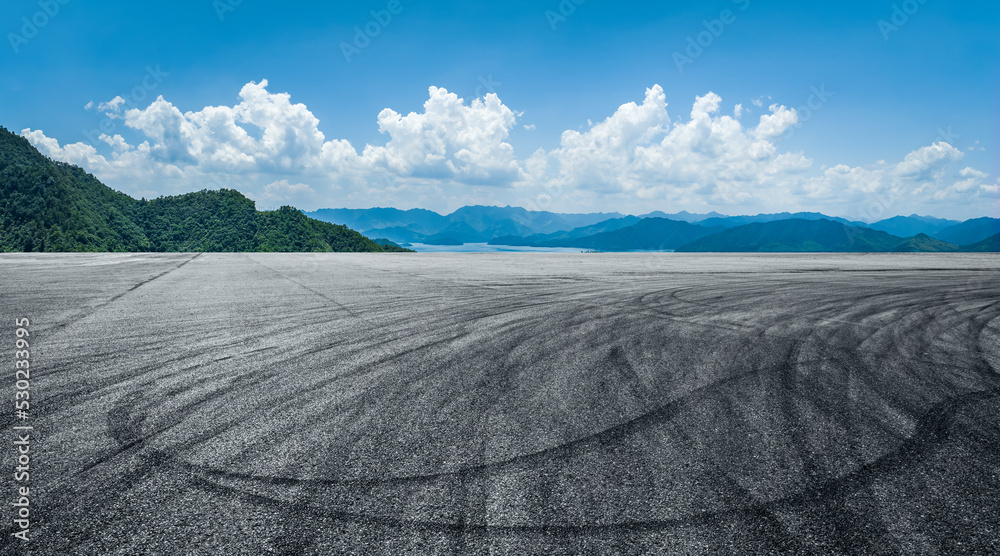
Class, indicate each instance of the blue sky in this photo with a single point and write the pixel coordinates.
(908, 119)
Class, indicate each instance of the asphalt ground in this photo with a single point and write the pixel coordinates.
(507, 404)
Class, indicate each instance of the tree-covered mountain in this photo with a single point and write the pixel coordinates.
(46, 205)
(289, 230)
(202, 221)
(970, 231)
(923, 243)
(455, 233)
(622, 234)
(799, 235)
(683, 216)
(561, 239)
(226, 221)
(988, 245)
(396, 234)
(386, 243)
(733, 221)
(52, 206)
(649, 234)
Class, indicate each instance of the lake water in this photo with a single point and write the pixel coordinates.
(485, 248)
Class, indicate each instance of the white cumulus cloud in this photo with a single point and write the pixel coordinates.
(282, 191)
(923, 162)
(450, 140)
(456, 151)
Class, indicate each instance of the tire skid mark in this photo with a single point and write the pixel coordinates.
(125, 428)
(659, 415)
(932, 432)
(96, 390)
(602, 434)
(345, 308)
(76, 319)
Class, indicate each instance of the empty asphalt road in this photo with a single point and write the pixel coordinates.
(507, 404)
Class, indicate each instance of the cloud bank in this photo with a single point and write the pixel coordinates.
(456, 152)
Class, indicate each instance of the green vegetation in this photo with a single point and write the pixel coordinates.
(204, 221)
(988, 245)
(55, 207)
(923, 243)
(51, 206)
(288, 230)
(387, 243)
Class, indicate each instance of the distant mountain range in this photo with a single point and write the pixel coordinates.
(473, 224)
(970, 231)
(907, 226)
(566, 238)
(658, 231)
(623, 234)
(816, 236)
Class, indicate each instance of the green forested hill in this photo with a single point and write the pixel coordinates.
(988, 245)
(46, 205)
(288, 230)
(52, 206)
(203, 221)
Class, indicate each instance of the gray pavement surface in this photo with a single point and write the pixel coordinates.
(508, 404)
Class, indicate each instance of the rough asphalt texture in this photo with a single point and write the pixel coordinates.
(508, 404)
